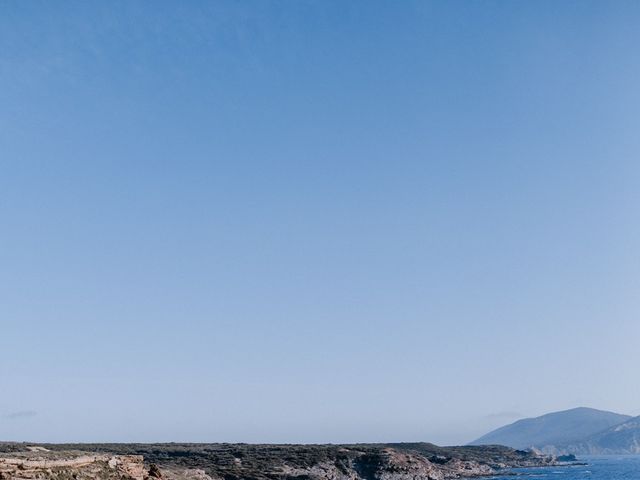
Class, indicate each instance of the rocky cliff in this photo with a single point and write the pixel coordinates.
(403, 461)
(41, 464)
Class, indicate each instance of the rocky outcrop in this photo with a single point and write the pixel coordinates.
(70, 465)
(185, 474)
(402, 461)
(387, 464)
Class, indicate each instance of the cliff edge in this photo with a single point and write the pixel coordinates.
(398, 461)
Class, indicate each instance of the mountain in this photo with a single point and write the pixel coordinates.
(620, 439)
(568, 427)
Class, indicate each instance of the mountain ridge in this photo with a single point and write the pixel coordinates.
(552, 431)
(620, 439)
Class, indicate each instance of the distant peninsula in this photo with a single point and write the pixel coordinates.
(579, 431)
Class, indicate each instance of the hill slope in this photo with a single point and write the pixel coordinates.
(620, 439)
(558, 428)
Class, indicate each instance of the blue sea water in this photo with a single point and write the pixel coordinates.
(612, 467)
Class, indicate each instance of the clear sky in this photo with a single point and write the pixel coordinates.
(315, 221)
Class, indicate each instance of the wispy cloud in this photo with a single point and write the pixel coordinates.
(503, 415)
(21, 414)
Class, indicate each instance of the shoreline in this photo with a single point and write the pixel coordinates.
(224, 461)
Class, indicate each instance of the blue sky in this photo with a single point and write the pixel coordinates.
(315, 221)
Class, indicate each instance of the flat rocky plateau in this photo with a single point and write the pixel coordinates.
(393, 461)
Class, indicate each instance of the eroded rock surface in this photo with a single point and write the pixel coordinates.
(40, 464)
(403, 461)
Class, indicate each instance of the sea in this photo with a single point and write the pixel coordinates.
(610, 467)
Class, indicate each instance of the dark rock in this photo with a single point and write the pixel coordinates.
(566, 458)
(154, 471)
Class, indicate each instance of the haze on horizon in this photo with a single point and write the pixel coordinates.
(315, 221)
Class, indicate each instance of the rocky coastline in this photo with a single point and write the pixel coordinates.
(399, 461)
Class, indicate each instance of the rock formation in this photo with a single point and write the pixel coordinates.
(70, 465)
(403, 461)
